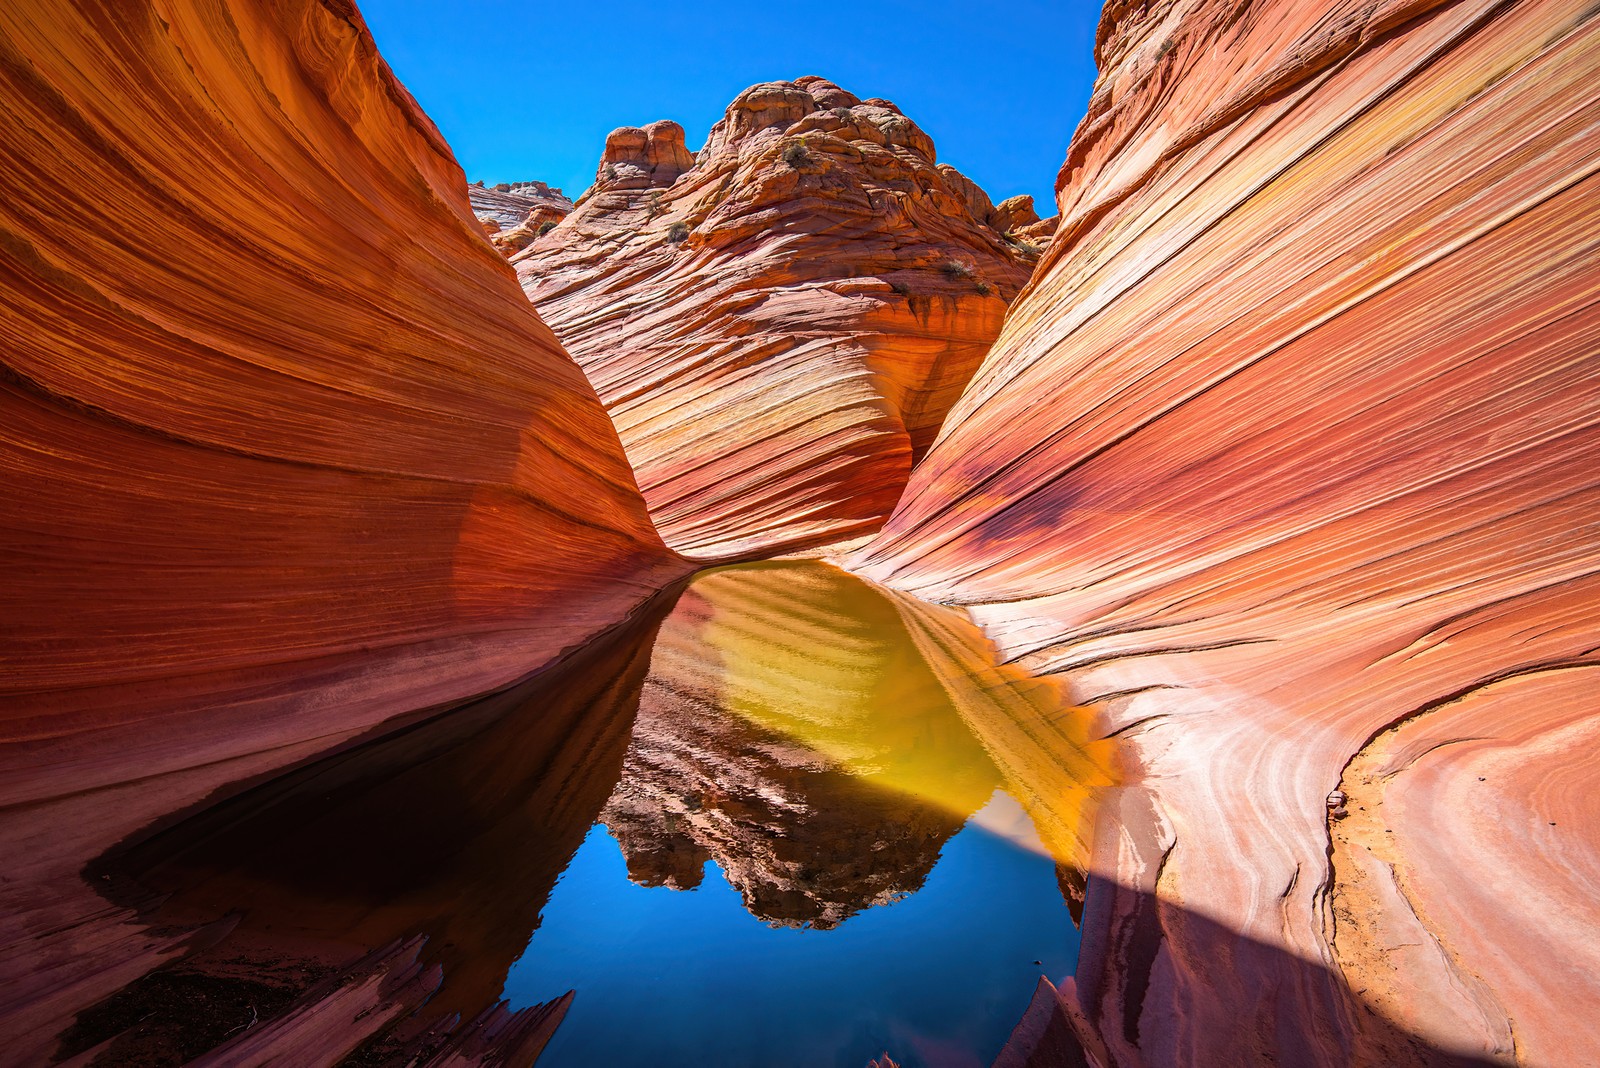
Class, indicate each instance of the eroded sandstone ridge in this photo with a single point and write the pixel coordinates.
(286, 451)
(778, 323)
(513, 214)
(1290, 457)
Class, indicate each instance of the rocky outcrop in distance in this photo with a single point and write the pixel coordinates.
(289, 459)
(1289, 461)
(514, 214)
(779, 322)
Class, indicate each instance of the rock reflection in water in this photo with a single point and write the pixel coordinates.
(841, 762)
(454, 830)
(821, 744)
(791, 731)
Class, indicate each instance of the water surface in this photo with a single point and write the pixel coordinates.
(793, 820)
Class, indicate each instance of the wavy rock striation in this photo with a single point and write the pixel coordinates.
(286, 451)
(515, 214)
(1290, 458)
(779, 323)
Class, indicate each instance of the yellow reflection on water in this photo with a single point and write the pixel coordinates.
(903, 695)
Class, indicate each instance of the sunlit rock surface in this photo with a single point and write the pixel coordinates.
(286, 451)
(779, 324)
(1289, 460)
(514, 214)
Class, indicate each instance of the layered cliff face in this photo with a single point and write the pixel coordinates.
(514, 214)
(1290, 458)
(286, 451)
(779, 323)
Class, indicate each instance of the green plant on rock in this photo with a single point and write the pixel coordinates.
(797, 154)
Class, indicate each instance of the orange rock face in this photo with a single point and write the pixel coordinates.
(1290, 459)
(286, 451)
(261, 447)
(779, 324)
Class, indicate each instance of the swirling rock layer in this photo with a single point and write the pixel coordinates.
(1290, 456)
(286, 452)
(779, 324)
(274, 454)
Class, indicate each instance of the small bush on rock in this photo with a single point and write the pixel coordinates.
(954, 269)
(678, 233)
(797, 154)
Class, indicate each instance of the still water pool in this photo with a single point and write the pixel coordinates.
(791, 819)
(668, 976)
(810, 857)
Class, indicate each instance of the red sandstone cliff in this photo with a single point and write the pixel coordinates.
(779, 323)
(286, 451)
(1290, 458)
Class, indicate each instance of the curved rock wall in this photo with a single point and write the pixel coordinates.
(286, 451)
(778, 325)
(1290, 458)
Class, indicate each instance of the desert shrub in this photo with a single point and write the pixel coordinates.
(954, 269)
(797, 154)
(678, 233)
(984, 288)
(545, 227)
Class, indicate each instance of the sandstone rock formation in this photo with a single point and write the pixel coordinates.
(286, 452)
(515, 214)
(1290, 459)
(779, 323)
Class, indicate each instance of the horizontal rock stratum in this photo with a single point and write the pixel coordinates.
(286, 451)
(778, 323)
(1290, 458)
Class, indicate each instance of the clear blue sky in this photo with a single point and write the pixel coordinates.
(525, 91)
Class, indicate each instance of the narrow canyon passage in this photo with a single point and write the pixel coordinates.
(782, 826)
(1204, 672)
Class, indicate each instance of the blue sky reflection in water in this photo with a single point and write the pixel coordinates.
(678, 977)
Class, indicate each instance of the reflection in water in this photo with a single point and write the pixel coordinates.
(791, 731)
(792, 841)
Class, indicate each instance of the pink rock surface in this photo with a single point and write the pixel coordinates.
(1289, 458)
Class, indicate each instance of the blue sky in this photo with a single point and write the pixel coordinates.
(525, 91)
